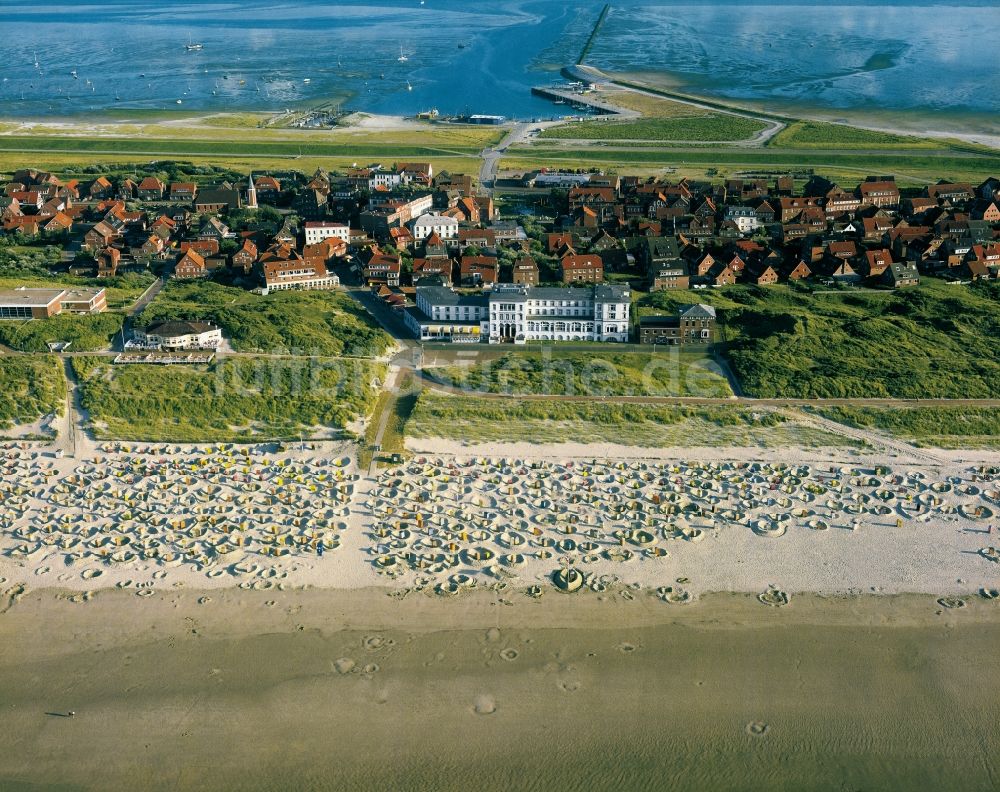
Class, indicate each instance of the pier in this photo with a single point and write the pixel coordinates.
(583, 101)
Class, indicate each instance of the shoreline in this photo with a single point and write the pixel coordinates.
(356, 690)
(672, 89)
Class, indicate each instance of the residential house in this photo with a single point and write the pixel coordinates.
(190, 265)
(525, 271)
(318, 230)
(432, 267)
(878, 262)
(761, 274)
(214, 228)
(183, 192)
(100, 189)
(588, 268)
(743, 217)
(268, 189)
(150, 189)
(107, 262)
(381, 268)
(669, 274)
(951, 192)
(478, 270)
(797, 270)
(693, 324)
(246, 257)
(882, 193)
(901, 274)
(444, 227)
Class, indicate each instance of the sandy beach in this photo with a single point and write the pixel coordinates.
(176, 599)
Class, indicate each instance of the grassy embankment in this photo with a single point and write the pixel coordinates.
(704, 128)
(933, 341)
(304, 323)
(940, 427)
(454, 148)
(476, 420)
(916, 166)
(600, 374)
(817, 134)
(242, 400)
(30, 387)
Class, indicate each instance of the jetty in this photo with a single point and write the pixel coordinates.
(577, 97)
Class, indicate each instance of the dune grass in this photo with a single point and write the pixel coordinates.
(229, 401)
(312, 323)
(30, 387)
(88, 333)
(602, 374)
(473, 420)
(933, 341)
(937, 426)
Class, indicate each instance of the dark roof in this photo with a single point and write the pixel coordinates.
(172, 329)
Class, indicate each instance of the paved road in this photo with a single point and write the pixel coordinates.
(517, 134)
(146, 297)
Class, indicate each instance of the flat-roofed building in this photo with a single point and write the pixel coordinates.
(25, 303)
(84, 301)
(30, 303)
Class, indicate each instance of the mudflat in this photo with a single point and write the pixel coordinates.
(366, 689)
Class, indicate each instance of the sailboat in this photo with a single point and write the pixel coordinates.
(402, 58)
(191, 45)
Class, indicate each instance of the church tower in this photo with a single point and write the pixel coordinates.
(251, 195)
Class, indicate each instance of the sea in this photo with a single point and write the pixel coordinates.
(471, 56)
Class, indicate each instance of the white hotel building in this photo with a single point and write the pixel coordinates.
(444, 227)
(317, 231)
(515, 313)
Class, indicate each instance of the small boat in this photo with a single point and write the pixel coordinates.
(74, 75)
(180, 101)
(307, 80)
(462, 45)
(408, 86)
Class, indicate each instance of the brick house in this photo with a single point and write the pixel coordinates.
(190, 265)
(587, 268)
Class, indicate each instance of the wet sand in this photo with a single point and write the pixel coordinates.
(356, 689)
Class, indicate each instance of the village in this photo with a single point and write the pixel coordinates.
(543, 256)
